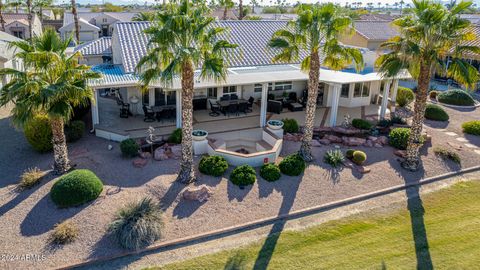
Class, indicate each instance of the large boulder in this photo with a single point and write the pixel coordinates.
(176, 151)
(160, 154)
(200, 193)
(333, 138)
(347, 131)
(139, 162)
(316, 143)
(324, 141)
(383, 140)
(353, 141)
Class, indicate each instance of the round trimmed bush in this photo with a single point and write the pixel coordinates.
(471, 127)
(398, 138)
(456, 97)
(176, 136)
(404, 96)
(243, 175)
(292, 165)
(361, 124)
(349, 153)
(359, 157)
(39, 133)
(76, 188)
(270, 172)
(129, 148)
(290, 125)
(435, 112)
(213, 165)
(74, 130)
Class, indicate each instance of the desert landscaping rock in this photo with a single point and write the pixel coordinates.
(200, 193)
(400, 153)
(333, 138)
(139, 162)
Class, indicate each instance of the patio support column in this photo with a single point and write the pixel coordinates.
(383, 106)
(335, 98)
(394, 95)
(178, 101)
(94, 107)
(263, 105)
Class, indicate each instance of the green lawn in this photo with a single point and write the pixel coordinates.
(450, 221)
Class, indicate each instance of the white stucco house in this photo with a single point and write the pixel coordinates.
(7, 59)
(16, 24)
(93, 24)
(251, 74)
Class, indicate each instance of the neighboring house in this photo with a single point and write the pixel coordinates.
(93, 24)
(16, 24)
(7, 59)
(96, 52)
(218, 14)
(370, 34)
(251, 73)
(277, 16)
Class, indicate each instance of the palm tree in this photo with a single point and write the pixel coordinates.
(143, 17)
(226, 5)
(52, 83)
(30, 18)
(40, 4)
(240, 9)
(75, 20)
(184, 39)
(428, 34)
(316, 30)
(15, 4)
(401, 6)
(2, 21)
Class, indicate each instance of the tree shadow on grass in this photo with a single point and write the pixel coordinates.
(419, 231)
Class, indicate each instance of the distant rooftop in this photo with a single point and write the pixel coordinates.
(88, 16)
(375, 30)
(101, 46)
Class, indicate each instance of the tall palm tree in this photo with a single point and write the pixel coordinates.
(428, 34)
(143, 17)
(52, 83)
(316, 30)
(240, 9)
(183, 39)
(15, 4)
(75, 20)
(41, 4)
(2, 21)
(30, 18)
(226, 5)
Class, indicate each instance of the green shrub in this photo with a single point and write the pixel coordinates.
(398, 138)
(31, 177)
(243, 175)
(349, 153)
(290, 125)
(334, 157)
(359, 157)
(384, 123)
(456, 97)
(270, 172)
(74, 130)
(76, 188)
(445, 153)
(39, 133)
(176, 136)
(129, 148)
(361, 124)
(397, 120)
(471, 127)
(435, 112)
(64, 233)
(433, 94)
(292, 165)
(138, 224)
(404, 96)
(213, 165)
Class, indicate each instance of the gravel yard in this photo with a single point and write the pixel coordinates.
(27, 217)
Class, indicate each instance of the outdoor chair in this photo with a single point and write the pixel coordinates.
(124, 107)
(232, 109)
(163, 115)
(243, 107)
(292, 97)
(214, 109)
(233, 97)
(149, 114)
(274, 106)
(250, 104)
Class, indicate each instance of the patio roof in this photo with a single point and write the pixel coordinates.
(114, 76)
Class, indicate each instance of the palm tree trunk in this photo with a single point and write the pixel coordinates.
(187, 172)
(2, 21)
(60, 153)
(75, 20)
(240, 10)
(30, 18)
(412, 159)
(225, 13)
(41, 14)
(313, 78)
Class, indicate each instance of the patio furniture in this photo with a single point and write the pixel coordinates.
(225, 97)
(233, 97)
(274, 106)
(199, 103)
(124, 107)
(243, 107)
(250, 104)
(232, 109)
(225, 103)
(214, 109)
(295, 107)
(149, 114)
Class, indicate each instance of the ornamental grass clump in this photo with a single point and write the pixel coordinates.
(334, 157)
(64, 233)
(138, 224)
(31, 177)
(447, 154)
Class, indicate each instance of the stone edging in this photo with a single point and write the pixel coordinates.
(477, 104)
(203, 237)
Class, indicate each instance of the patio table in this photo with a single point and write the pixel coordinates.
(224, 103)
(162, 108)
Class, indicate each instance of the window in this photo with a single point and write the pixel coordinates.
(104, 20)
(257, 88)
(229, 89)
(357, 92)
(366, 89)
(18, 34)
(283, 86)
(270, 86)
(212, 92)
(345, 90)
(382, 87)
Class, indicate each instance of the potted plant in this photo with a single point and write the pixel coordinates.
(275, 124)
(199, 135)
